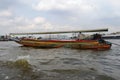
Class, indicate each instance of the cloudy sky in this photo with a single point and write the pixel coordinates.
(58, 15)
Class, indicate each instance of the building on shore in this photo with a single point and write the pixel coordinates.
(5, 38)
(115, 35)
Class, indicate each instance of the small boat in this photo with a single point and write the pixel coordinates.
(114, 36)
(96, 43)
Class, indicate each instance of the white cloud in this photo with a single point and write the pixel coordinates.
(48, 26)
(63, 5)
(5, 13)
(60, 15)
(39, 20)
(24, 24)
(97, 8)
(27, 27)
(115, 4)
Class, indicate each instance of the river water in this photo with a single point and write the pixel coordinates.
(26, 63)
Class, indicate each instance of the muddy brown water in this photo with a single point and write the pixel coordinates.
(26, 63)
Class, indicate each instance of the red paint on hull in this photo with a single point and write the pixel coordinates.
(79, 44)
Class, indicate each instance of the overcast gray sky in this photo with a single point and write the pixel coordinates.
(58, 15)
